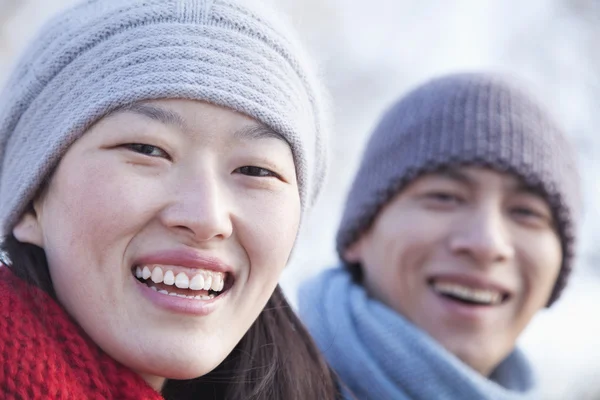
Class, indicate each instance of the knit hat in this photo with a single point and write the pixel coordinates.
(104, 54)
(466, 119)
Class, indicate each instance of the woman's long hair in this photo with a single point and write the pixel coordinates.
(275, 360)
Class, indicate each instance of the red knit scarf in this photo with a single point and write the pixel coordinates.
(45, 355)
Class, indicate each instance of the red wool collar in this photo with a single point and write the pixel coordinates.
(45, 355)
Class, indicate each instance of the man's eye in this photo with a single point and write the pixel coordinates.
(256, 171)
(443, 197)
(526, 212)
(147, 150)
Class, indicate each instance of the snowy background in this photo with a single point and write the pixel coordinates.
(373, 52)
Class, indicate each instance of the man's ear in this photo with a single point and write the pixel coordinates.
(28, 228)
(353, 254)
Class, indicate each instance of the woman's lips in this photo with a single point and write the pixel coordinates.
(185, 258)
(183, 280)
(181, 301)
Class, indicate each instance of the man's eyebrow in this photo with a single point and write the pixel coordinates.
(155, 113)
(524, 188)
(455, 175)
(254, 132)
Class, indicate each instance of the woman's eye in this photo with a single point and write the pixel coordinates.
(257, 171)
(147, 150)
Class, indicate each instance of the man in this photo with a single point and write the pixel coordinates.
(458, 228)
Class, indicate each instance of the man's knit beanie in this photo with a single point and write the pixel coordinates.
(466, 119)
(104, 54)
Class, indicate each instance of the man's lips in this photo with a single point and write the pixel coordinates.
(469, 289)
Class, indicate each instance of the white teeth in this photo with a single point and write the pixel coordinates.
(197, 282)
(169, 278)
(157, 275)
(183, 296)
(205, 280)
(482, 296)
(182, 281)
(217, 283)
(208, 282)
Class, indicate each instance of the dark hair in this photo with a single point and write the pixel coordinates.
(275, 360)
(355, 271)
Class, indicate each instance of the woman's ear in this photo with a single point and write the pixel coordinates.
(28, 229)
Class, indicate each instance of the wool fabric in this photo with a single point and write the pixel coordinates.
(378, 354)
(46, 355)
(477, 119)
(104, 54)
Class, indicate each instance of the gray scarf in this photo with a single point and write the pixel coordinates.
(378, 354)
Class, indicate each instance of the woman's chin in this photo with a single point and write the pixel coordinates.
(178, 371)
(189, 365)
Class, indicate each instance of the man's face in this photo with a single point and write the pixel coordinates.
(469, 255)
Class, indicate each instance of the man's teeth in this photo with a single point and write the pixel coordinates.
(482, 296)
(203, 280)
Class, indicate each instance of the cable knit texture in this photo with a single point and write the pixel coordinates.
(45, 355)
(466, 119)
(103, 54)
(378, 354)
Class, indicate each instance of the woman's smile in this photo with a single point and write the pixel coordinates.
(183, 281)
(188, 214)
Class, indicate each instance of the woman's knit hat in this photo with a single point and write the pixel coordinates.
(466, 119)
(104, 54)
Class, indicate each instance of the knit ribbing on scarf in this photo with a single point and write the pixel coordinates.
(45, 355)
(378, 354)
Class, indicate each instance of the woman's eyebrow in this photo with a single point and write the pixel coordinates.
(155, 113)
(169, 117)
(254, 132)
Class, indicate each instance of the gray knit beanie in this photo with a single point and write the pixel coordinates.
(466, 119)
(103, 54)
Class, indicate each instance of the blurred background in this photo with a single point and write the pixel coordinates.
(371, 53)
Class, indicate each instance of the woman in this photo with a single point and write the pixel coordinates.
(157, 160)
(457, 230)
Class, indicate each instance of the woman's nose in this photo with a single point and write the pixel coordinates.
(200, 208)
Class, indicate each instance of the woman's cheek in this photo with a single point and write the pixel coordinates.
(270, 228)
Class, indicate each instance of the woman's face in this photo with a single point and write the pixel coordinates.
(152, 206)
(469, 255)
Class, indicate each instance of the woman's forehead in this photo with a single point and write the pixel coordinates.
(191, 116)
